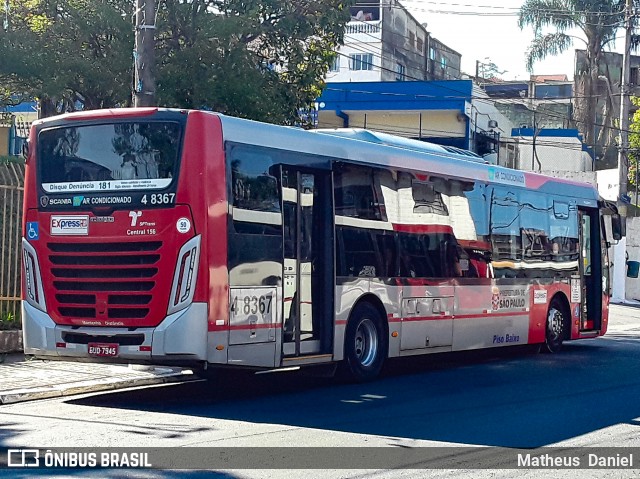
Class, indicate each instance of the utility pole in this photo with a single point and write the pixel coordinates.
(144, 88)
(623, 161)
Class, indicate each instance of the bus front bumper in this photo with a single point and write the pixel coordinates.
(181, 336)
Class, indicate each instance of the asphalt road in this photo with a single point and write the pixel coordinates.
(587, 395)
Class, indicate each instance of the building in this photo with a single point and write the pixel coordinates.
(15, 122)
(556, 152)
(384, 42)
(607, 92)
(543, 102)
(453, 113)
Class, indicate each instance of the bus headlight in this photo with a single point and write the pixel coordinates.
(34, 293)
(185, 276)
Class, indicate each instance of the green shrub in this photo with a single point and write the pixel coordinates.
(10, 321)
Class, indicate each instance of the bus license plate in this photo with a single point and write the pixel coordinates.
(103, 349)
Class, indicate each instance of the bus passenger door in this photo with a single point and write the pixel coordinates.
(308, 261)
(586, 289)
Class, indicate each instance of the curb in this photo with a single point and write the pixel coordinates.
(72, 389)
(11, 341)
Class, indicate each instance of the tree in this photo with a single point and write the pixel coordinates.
(68, 51)
(598, 20)
(260, 59)
(634, 144)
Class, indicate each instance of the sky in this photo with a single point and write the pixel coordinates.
(487, 30)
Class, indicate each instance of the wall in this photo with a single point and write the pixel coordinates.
(556, 150)
(632, 285)
(394, 37)
(4, 140)
(452, 60)
(400, 32)
(344, 74)
(428, 110)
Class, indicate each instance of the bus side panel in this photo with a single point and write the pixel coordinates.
(605, 314)
(390, 295)
(605, 282)
(539, 301)
(203, 186)
(347, 293)
(490, 313)
(541, 297)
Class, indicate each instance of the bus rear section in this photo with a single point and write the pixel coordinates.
(112, 236)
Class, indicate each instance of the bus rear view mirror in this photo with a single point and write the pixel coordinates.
(617, 227)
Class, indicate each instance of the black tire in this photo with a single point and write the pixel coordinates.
(556, 327)
(209, 374)
(365, 347)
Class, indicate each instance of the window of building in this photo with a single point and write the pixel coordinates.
(443, 63)
(400, 72)
(420, 44)
(335, 65)
(432, 53)
(361, 61)
(412, 39)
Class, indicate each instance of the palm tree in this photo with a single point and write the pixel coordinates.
(598, 20)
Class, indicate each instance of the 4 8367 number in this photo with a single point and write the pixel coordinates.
(251, 304)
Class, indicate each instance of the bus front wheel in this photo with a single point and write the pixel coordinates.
(365, 344)
(556, 328)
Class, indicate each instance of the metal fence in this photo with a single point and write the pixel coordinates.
(11, 195)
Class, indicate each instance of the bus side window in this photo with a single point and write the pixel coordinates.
(253, 186)
(388, 252)
(358, 193)
(357, 255)
(416, 256)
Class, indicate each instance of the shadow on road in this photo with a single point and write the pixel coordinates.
(487, 398)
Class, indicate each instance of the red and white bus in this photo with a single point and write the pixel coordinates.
(187, 237)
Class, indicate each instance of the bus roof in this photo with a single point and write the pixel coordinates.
(361, 147)
(399, 141)
(372, 148)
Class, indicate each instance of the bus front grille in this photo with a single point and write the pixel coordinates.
(108, 281)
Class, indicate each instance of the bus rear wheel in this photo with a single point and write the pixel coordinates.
(556, 327)
(365, 344)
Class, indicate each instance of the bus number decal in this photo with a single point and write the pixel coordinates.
(159, 199)
(251, 306)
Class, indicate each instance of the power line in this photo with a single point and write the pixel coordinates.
(509, 11)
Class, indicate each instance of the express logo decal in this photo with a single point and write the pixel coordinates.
(69, 225)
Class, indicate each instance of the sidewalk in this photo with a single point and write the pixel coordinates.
(25, 380)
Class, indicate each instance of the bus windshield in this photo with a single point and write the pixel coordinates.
(116, 156)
